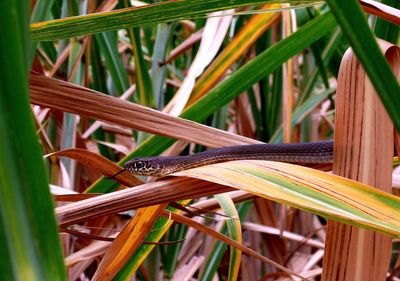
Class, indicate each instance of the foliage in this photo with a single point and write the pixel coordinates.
(113, 81)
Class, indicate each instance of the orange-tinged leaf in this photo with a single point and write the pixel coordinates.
(130, 238)
(100, 164)
(53, 93)
(237, 47)
(163, 191)
(161, 226)
(311, 190)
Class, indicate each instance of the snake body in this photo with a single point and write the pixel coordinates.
(312, 152)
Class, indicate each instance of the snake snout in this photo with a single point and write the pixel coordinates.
(143, 167)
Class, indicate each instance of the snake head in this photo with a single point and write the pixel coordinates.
(147, 166)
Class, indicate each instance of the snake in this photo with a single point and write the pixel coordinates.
(320, 152)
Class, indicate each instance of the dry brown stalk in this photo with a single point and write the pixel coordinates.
(363, 152)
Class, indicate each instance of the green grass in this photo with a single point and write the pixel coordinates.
(112, 50)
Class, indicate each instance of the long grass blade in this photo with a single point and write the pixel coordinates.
(29, 235)
(355, 27)
(134, 17)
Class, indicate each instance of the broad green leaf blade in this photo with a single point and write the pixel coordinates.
(6, 259)
(161, 12)
(355, 27)
(236, 84)
(29, 232)
(314, 191)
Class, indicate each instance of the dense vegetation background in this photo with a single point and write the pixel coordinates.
(120, 79)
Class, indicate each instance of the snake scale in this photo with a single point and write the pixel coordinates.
(312, 152)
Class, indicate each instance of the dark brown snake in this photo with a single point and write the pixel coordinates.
(312, 152)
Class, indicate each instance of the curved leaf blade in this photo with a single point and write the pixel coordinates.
(314, 191)
(235, 233)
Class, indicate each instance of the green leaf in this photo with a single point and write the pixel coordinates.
(235, 233)
(387, 30)
(326, 55)
(259, 67)
(355, 27)
(40, 10)
(160, 227)
(301, 111)
(144, 86)
(161, 12)
(108, 46)
(158, 70)
(29, 234)
(213, 261)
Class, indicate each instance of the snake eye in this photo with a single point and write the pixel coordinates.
(139, 164)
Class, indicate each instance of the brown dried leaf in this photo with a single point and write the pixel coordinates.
(100, 164)
(83, 101)
(129, 239)
(165, 191)
(209, 231)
